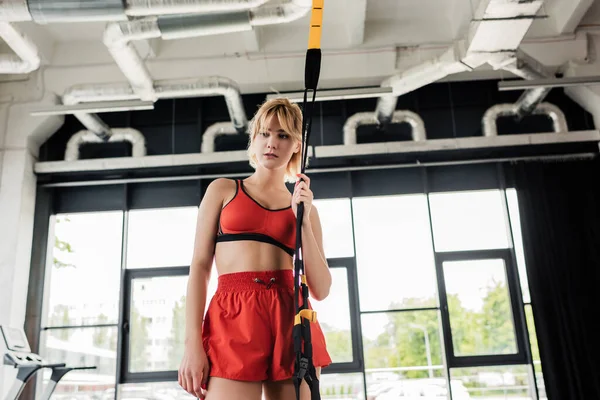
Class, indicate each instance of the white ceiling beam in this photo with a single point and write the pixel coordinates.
(251, 40)
(355, 15)
(566, 15)
(587, 96)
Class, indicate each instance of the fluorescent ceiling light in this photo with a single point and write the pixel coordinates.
(548, 83)
(335, 94)
(98, 107)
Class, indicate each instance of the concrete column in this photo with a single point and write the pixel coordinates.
(20, 138)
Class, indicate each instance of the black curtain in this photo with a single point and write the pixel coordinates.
(559, 204)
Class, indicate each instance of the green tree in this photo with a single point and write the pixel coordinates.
(105, 338)
(60, 317)
(177, 340)
(339, 343)
(61, 246)
(498, 326)
(138, 355)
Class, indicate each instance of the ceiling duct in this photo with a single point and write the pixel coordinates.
(208, 86)
(529, 100)
(212, 132)
(559, 122)
(52, 11)
(27, 58)
(494, 35)
(119, 35)
(398, 117)
(133, 136)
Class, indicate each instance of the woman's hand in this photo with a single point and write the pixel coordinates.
(302, 194)
(193, 371)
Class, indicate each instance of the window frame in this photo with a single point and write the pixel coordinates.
(124, 375)
(356, 365)
(522, 354)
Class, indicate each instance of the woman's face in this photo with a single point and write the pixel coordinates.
(273, 147)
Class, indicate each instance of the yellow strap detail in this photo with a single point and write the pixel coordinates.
(303, 279)
(310, 315)
(316, 22)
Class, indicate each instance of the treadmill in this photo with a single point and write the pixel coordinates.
(18, 355)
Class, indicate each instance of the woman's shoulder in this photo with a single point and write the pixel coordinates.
(221, 188)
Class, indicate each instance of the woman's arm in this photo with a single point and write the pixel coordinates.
(317, 272)
(202, 259)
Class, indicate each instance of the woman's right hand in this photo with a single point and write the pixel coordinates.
(193, 371)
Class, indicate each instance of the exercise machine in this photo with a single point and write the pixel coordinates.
(18, 355)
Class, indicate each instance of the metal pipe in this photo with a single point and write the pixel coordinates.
(57, 11)
(27, 57)
(370, 118)
(559, 122)
(212, 132)
(208, 86)
(133, 136)
(144, 8)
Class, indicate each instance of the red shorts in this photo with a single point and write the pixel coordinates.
(247, 330)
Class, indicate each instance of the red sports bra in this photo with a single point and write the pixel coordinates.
(243, 218)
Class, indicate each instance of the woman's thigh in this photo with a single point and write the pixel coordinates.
(284, 390)
(226, 389)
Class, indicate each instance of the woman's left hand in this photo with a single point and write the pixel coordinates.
(302, 194)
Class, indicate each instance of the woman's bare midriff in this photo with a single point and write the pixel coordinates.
(241, 256)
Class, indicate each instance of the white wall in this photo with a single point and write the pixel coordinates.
(20, 136)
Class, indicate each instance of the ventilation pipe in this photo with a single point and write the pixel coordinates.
(212, 132)
(530, 99)
(88, 93)
(209, 86)
(52, 11)
(135, 137)
(559, 122)
(27, 57)
(119, 35)
(398, 117)
(486, 41)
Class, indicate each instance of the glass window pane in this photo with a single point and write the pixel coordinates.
(535, 351)
(333, 314)
(515, 222)
(150, 390)
(342, 386)
(471, 220)
(84, 281)
(479, 305)
(157, 323)
(336, 221)
(82, 347)
(402, 345)
(161, 237)
(492, 383)
(394, 254)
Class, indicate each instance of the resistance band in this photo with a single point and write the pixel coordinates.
(304, 368)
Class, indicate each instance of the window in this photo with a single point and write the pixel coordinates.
(336, 221)
(333, 314)
(161, 237)
(81, 310)
(394, 253)
(470, 220)
(481, 319)
(83, 280)
(481, 309)
(155, 319)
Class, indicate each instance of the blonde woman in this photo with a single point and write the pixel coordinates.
(244, 345)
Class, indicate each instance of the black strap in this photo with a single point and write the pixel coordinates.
(304, 369)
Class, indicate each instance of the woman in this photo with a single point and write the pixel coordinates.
(245, 342)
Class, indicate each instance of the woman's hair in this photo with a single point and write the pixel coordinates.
(290, 119)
